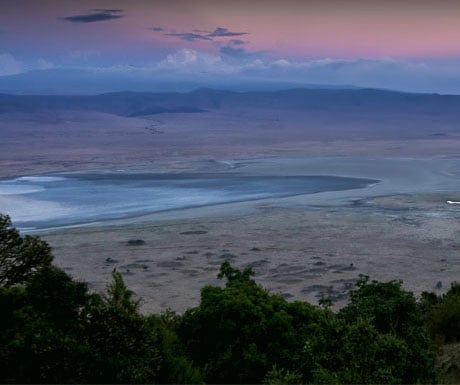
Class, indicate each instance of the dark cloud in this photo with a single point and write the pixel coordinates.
(95, 16)
(224, 32)
(198, 34)
(157, 29)
(237, 42)
(189, 36)
(230, 51)
(240, 53)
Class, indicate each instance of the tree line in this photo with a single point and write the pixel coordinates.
(54, 330)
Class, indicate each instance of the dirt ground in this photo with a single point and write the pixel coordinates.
(301, 247)
(300, 253)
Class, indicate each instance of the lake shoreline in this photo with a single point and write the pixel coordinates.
(302, 247)
(237, 189)
(394, 176)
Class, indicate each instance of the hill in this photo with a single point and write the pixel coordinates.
(85, 131)
(314, 101)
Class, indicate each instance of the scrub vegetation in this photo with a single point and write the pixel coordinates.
(55, 330)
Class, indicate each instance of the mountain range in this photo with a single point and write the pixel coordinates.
(313, 101)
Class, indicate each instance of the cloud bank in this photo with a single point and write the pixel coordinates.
(9, 65)
(387, 73)
(233, 64)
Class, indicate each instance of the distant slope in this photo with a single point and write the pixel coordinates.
(56, 81)
(42, 133)
(314, 101)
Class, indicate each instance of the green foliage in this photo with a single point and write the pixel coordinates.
(443, 315)
(399, 322)
(234, 275)
(391, 309)
(124, 349)
(239, 332)
(342, 352)
(46, 327)
(55, 331)
(175, 367)
(119, 296)
(282, 377)
(128, 347)
(20, 257)
(55, 296)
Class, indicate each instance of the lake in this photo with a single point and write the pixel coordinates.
(38, 202)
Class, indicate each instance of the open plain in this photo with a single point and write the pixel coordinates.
(303, 247)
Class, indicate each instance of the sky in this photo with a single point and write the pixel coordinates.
(412, 45)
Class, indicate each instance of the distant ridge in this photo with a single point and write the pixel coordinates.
(57, 81)
(312, 101)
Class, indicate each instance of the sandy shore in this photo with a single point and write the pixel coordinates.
(303, 247)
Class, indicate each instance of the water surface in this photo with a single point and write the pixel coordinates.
(38, 202)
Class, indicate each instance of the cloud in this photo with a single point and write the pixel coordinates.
(44, 64)
(234, 64)
(224, 32)
(226, 63)
(234, 52)
(385, 73)
(189, 36)
(191, 61)
(239, 53)
(199, 34)
(95, 16)
(185, 57)
(9, 65)
(157, 29)
(85, 58)
(237, 42)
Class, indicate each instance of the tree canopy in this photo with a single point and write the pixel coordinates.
(55, 330)
(20, 257)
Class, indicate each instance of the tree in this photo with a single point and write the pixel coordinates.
(239, 332)
(124, 349)
(341, 352)
(119, 296)
(282, 377)
(397, 318)
(175, 367)
(443, 315)
(390, 308)
(20, 257)
(55, 331)
(42, 322)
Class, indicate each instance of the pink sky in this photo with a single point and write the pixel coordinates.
(292, 29)
(404, 44)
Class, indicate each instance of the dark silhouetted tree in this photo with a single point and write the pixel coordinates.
(20, 257)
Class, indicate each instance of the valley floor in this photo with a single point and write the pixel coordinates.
(304, 247)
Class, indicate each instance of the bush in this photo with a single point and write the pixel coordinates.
(239, 332)
(443, 316)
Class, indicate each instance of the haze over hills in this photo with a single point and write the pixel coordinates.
(85, 81)
(314, 101)
(63, 132)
